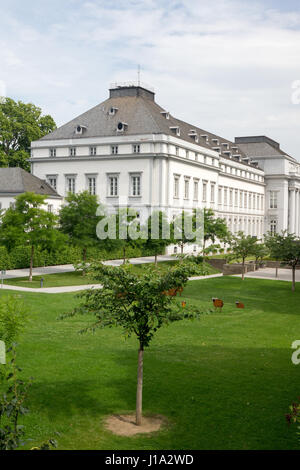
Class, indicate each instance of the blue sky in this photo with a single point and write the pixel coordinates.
(226, 66)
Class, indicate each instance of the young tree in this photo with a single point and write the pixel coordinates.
(242, 247)
(285, 247)
(183, 229)
(260, 251)
(20, 123)
(140, 304)
(215, 228)
(27, 223)
(157, 239)
(78, 219)
(127, 224)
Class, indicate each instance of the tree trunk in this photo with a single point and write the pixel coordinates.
(84, 251)
(139, 391)
(243, 270)
(155, 259)
(31, 263)
(124, 255)
(294, 278)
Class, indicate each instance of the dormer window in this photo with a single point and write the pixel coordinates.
(122, 126)
(165, 114)
(193, 134)
(215, 141)
(80, 129)
(225, 145)
(205, 137)
(175, 130)
(112, 111)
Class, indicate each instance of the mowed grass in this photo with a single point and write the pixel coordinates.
(224, 382)
(77, 279)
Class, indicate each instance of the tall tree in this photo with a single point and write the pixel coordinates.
(20, 123)
(140, 304)
(78, 219)
(28, 224)
(285, 247)
(243, 246)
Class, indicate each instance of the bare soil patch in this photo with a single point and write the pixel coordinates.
(124, 425)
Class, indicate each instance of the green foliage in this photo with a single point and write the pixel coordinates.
(158, 245)
(293, 417)
(214, 227)
(12, 319)
(12, 406)
(78, 219)
(284, 247)
(243, 246)
(30, 225)
(27, 223)
(20, 124)
(137, 303)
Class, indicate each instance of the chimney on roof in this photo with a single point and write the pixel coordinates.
(118, 90)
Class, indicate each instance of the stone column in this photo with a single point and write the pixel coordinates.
(292, 210)
(296, 211)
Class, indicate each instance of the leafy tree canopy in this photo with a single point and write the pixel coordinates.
(20, 124)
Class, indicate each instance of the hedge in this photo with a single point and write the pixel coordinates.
(19, 257)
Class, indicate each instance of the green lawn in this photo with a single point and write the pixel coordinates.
(76, 278)
(224, 382)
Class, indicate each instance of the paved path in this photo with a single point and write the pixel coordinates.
(66, 268)
(64, 289)
(269, 273)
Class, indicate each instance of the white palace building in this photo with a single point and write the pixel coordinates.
(130, 151)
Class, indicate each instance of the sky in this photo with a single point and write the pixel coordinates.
(229, 66)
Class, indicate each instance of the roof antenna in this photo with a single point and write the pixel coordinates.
(139, 75)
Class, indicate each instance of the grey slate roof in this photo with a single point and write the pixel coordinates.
(262, 149)
(18, 181)
(143, 116)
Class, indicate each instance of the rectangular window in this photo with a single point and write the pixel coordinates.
(204, 192)
(135, 185)
(273, 199)
(114, 149)
(241, 199)
(245, 200)
(196, 157)
(52, 180)
(187, 154)
(231, 198)
(93, 150)
(136, 148)
(212, 193)
(113, 186)
(236, 198)
(50, 208)
(196, 190)
(72, 151)
(176, 186)
(273, 226)
(52, 153)
(92, 185)
(186, 189)
(250, 201)
(225, 196)
(71, 184)
(220, 195)
(177, 151)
